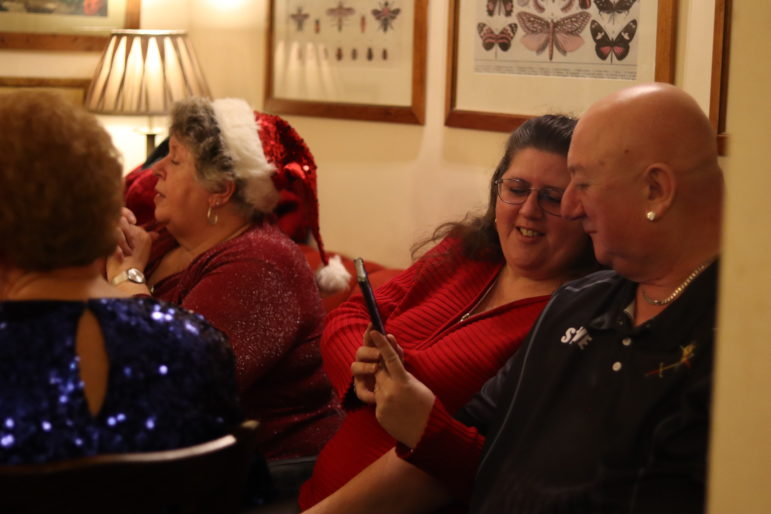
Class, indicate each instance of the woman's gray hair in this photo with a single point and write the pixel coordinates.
(194, 124)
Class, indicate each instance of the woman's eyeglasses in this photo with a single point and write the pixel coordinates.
(515, 191)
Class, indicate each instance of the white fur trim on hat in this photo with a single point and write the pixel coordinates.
(242, 142)
(333, 277)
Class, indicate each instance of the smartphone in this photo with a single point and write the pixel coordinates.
(369, 296)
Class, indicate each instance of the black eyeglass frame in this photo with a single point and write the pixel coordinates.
(542, 193)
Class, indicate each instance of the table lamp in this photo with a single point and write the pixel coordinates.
(143, 72)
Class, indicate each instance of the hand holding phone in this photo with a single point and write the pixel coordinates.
(369, 296)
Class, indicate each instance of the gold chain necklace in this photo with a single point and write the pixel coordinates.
(678, 291)
(468, 314)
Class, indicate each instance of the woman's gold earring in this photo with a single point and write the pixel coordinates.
(650, 215)
(211, 216)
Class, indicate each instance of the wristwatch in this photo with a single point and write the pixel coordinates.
(131, 274)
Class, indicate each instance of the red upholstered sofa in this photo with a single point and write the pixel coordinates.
(378, 275)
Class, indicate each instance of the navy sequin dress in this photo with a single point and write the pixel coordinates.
(171, 380)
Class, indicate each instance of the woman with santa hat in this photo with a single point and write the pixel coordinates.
(216, 248)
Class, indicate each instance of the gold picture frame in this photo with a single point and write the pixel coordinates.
(719, 86)
(72, 89)
(410, 110)
(662, 54)
(69, 42)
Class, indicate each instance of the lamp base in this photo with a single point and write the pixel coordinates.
(150, 143)
(150, 134)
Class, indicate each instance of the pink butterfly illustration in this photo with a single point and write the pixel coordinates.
(562, 34)
(536, 4)
(618, 46)
(614, 6)
(505, 7)
(490, 38)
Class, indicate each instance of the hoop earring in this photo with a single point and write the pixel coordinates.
(650, 215)
(211, 216)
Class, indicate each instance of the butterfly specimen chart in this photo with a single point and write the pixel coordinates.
(560, 38)
(513, 59)
(355, 59)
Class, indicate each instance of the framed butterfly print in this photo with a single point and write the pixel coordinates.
(64, 25)
(353, 59)
(509, 60)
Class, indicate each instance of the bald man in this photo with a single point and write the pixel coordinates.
(647, 188)
(605, 408)
(608, 403)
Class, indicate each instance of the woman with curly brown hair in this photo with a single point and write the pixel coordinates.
(460, 311)
(84, 368)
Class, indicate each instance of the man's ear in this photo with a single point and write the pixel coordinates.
(660, 188)
(222, 197)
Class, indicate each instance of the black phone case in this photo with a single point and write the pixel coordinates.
(369, 299)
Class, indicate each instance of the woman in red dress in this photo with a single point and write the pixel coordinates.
(461, 310)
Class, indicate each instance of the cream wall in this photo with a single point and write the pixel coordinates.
(381, 186)
(741, 435)
(384, 186)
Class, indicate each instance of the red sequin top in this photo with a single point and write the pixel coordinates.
(258, 289)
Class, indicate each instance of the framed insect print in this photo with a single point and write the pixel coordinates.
(71, 25)
(354, 59)
(509, 60)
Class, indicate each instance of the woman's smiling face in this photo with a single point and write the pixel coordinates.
(534, 243)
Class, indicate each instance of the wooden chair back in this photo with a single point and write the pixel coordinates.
(205, 478)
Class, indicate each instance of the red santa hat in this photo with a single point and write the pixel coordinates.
(279, 174)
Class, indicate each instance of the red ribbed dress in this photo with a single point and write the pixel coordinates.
(422, 307)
